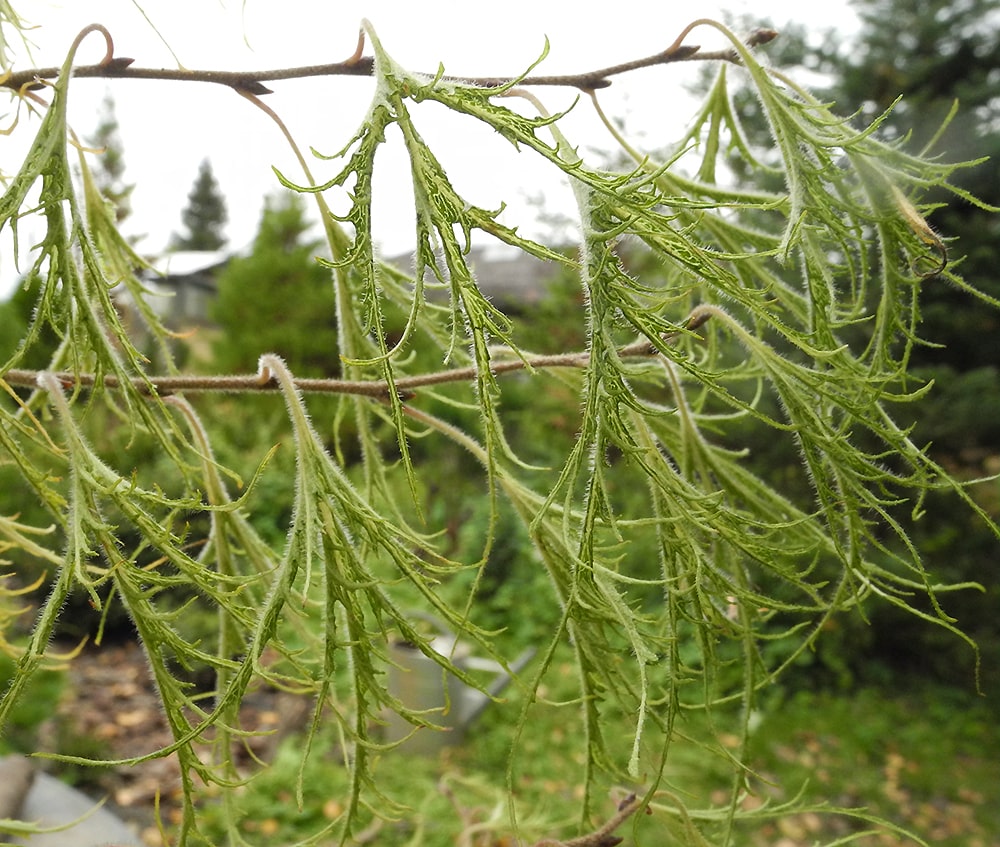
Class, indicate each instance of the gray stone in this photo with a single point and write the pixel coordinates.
(35, 797)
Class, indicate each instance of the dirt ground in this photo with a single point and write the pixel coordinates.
(110, 705)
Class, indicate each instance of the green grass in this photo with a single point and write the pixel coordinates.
(925, 758)
(38, 703)
(927, 761)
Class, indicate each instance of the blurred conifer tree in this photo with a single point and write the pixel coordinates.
(109, 167)
(205, 215)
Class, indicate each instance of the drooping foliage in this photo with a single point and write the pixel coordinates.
(931, 68)
(928, 70)
(752, 317)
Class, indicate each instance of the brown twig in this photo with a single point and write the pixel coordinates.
(164, 385)
(603, 836)
(405, 386)
(243, 384)
(357, 65)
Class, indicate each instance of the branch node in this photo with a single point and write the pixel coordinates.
(251, 86)
(117, 64)
(761, 36)
(594, 84)
(699, 316)
(680, 52)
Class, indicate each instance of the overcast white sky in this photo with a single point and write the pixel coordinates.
(168, 128)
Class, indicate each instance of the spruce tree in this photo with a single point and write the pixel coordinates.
(205, 215)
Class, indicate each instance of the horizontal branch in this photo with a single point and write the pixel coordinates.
(117, 67)
(378, 389)
(251, 383)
